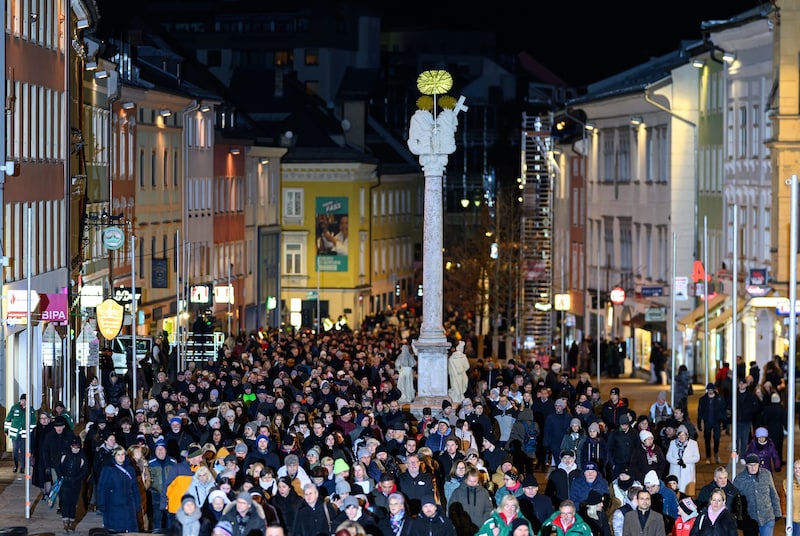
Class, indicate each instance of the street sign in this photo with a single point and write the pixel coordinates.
(655, 314)
(650, 292)
(618, 296)
(17, 305)
(113, 237)
(562, 302)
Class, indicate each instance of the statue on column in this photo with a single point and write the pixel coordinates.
(457, 367)
(405, 383)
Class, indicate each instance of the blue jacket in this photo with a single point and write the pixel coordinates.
(580, 489)
(118, 497)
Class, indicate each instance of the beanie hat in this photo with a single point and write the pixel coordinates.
(245, 496)
(188, 498)
(342, 487)
(218, 493)
(682, 429)
(224, 528)
(340, 466)
(594, 498)
(260, 437)
(574, 422)
(644, 434)
(650, 478)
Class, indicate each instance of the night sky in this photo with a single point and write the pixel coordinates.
(580, 41)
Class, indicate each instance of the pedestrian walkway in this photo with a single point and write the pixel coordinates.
(44, 520)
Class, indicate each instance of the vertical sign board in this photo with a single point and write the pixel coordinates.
(332, 234)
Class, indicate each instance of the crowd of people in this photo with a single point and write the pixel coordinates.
(305, 436)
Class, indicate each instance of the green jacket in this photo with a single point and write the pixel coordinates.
(496, 520)
(14, 424)
(579, 528)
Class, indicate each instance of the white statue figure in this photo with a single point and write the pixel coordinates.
(420, 133)
(444, 138)
(457, 367)
(406, 363)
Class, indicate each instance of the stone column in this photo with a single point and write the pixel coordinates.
(432, 138)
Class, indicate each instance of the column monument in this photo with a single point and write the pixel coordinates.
(432, 138)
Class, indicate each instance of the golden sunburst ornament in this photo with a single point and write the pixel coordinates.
(434, 82)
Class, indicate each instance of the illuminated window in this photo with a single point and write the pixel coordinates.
(312, 56)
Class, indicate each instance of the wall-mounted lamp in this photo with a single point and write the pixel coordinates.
(235, 151)
(698, 63)
(128, 105)
(101, 75)
(90, 66)
(636, 120)
(465, 202)
(165, 113)
(205, 108)
(729, 57)
(263, 161)
(82, 24)
(591, 127)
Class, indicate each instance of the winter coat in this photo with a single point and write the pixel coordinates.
(251, 524)
(313, 520)
(536, 509)
(773, 418)
(505, 418)
(711, 411)
(180, 518)
(159, 472)
(574, 441)
(118, 497)
(560, 481)
(594, 449)
(639, 465)
(724, 525)
(55, 445)
(39, 460)
(518, 429)
(200, 490)
(496, 520)
(14, 425)
(552, 526)
(469, 506)
(580, 489)
(438, 525)
(620, 447)
(760, 498)
(385, 527)
(768, 455)
(795, 498)
(287, 507)
(555, 426)
(690, 457)
(654, 526)
(681, 387)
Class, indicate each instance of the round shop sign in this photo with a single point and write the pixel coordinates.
(618, 296)
(113, 237)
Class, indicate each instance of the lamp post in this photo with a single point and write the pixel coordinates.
(432, 138)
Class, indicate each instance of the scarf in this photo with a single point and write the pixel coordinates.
(396, 522)
(712, 515)
(652, 457)
(681, 447)
(189, 522)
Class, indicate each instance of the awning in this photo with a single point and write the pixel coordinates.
(690, 320)
(636, 322)
(720, 321)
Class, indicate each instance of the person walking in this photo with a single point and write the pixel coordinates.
(74, 468)
(118, 496)
(763, 506)
(683, 455)
(17, 430)
(715, 520)
(643, 521)
(711, 413)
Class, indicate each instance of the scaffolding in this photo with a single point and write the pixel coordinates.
(537, 232)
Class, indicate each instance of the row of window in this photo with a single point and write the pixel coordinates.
(34, 122)
(47, 219)
(623, 241)
(385, 203)
(37, 21)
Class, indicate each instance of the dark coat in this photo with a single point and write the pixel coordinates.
(415, 488)
(55, 445)
(725, 525)
(559, 484)
(206, 526)
(41, 464)
(711, 410)
(385, 527)
(438, 525)
(639, 465)
(118, 497)
(287, 507)
(313, 521)
(251, 524)
(620, 446)
(469, 507)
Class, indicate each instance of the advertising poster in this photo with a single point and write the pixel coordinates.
(332, 234)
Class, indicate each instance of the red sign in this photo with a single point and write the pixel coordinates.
(618, 296)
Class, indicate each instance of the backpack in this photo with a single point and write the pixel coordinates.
(529, 442)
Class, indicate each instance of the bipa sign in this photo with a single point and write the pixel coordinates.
(54, 308)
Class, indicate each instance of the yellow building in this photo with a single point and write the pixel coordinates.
(348, 241)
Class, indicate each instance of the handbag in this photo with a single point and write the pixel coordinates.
(51, 498)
